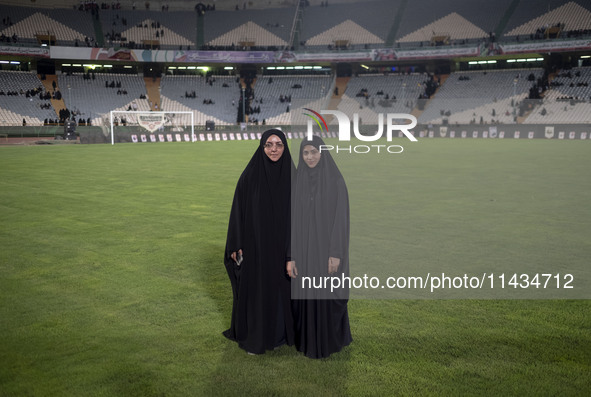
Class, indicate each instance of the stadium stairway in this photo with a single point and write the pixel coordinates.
(48, 85)
(551, 76)
(443, 78)
(153, 91)
(522, 119)
(253, 85)
(333, 104)
(416, 111)
(341, 84)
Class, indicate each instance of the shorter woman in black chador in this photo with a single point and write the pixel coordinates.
(320, 248)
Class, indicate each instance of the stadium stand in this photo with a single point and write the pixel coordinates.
(95, 98)
(568, 100)
(250, 27)
(20, 98)
(528, 22)
(386, 93)
(470, 20)
(177, 95)
(63, 26)
(469, 97)
(487, 95)
(248, 35)
(451, 27)
(370, 95)
(280, 93)
(349, 25)
(146, 29)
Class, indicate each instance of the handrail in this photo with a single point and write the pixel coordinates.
(293, 25)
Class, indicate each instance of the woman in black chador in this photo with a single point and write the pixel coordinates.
(257, 249)
(320, 247)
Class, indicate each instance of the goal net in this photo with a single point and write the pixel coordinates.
(142, 126)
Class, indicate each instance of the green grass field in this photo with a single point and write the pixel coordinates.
(112, 282)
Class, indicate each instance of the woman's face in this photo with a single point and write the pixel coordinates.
(274, 148)
(311, 156)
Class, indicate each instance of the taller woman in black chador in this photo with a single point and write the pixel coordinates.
(320, 243)
(257, 249)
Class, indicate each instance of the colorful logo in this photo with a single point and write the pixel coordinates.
(316, 120)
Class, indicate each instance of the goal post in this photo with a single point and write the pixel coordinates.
(147, 126)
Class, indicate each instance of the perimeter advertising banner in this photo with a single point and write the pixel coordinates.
(24, 51)
(383, 54)
(545, 46)
(178, 56)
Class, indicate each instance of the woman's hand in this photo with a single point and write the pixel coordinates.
(291, 268)
(234, 257)
(333, 265)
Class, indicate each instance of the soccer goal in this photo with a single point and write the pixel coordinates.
(142, 126)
